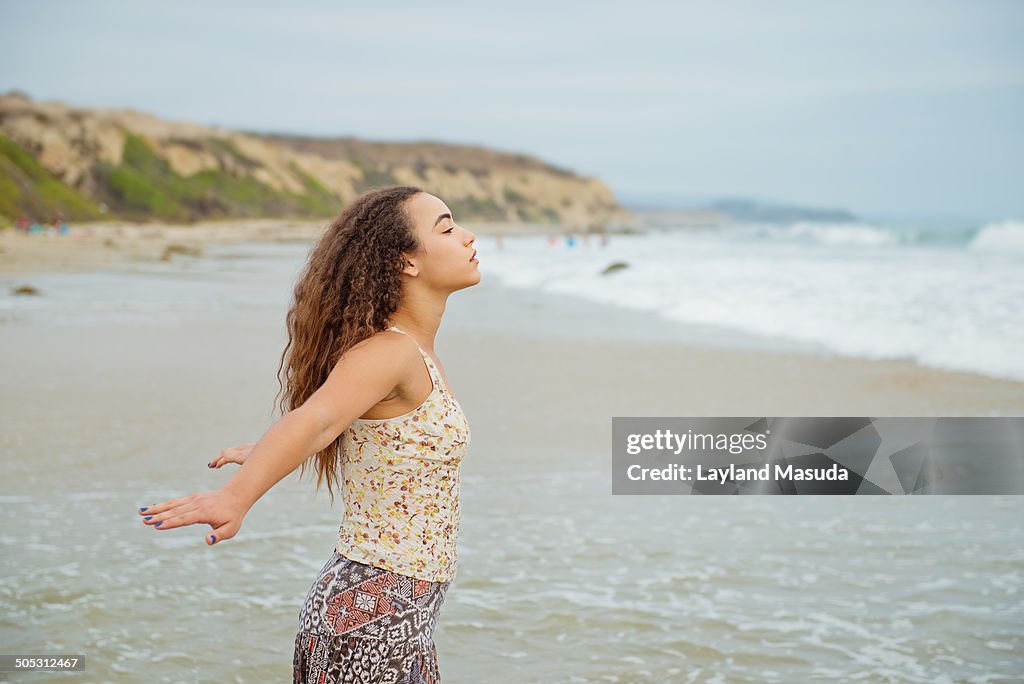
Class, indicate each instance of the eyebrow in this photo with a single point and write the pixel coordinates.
(441, 218)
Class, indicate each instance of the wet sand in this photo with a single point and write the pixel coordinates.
(90, 246)
(557, 577)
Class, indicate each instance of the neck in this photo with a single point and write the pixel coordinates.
(420, 316)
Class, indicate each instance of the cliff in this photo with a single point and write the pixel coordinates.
(121, 163)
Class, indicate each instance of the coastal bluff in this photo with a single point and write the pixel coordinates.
(104, 164)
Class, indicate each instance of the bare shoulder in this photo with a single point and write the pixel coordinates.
(371, 371)
(388, 348)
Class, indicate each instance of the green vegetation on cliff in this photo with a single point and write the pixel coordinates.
(58, 158)
(144, 186)
(27, 189)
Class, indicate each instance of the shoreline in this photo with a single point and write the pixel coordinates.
(143, 407)
(711, 373)
(630, 362)
(91, 247)
(95, 245)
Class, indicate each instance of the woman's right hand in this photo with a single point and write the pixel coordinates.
(222, 510)
(236, 454)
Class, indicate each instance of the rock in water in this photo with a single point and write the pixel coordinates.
(176, 248)
(613, 267)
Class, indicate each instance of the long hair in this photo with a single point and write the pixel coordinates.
(348, 289)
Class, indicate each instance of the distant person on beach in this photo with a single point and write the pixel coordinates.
(59, 227)
(369, 405)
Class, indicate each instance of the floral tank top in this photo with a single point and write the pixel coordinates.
(401, 486)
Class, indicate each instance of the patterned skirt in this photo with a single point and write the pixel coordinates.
(363, 625)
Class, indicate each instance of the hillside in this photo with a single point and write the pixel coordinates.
(121, 163)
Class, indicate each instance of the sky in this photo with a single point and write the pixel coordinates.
(881, 108)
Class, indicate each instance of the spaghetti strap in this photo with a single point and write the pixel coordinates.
(431, 368)
(423, 352)
(396, 329)
(435, 372)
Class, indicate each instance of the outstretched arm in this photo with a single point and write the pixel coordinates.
(280, 451)
(362, 377)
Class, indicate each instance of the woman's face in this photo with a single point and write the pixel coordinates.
(443, 260)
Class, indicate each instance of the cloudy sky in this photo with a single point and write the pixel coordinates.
(883, 108)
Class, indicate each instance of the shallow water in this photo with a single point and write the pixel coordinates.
(580, 587)
(859, 291)
(120, 405)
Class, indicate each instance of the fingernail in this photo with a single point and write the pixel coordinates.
(209, 464)
(213, 539)
(160, 523)
(149, 517)
(143, 509)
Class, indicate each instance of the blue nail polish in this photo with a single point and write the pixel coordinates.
(159, 523)
(214, 538)
(143, 509)
(149, 517)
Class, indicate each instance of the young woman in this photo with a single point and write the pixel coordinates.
(369, 404)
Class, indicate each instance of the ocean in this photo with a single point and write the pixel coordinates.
(947, 297)
(119, 386)
(950, 297)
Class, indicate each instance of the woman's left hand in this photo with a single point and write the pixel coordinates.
(235, 454)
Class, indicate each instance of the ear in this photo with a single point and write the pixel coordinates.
(410, 268)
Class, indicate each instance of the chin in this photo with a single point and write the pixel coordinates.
(471, 282)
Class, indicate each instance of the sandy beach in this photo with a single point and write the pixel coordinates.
(88, 246)
(558, 579)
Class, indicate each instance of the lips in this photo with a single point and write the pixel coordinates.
(474, 255)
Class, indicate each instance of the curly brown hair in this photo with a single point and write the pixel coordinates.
(349, 287)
